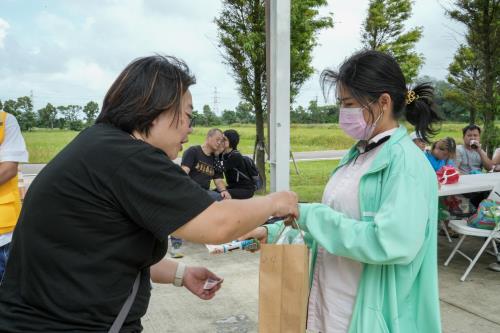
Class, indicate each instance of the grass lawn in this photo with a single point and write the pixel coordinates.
(311, 180)
(45, 144)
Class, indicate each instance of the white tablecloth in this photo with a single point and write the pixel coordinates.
(471, 183)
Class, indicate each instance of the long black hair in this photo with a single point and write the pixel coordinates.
(368, 74)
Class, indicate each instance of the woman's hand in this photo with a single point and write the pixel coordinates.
(225, 195)
(285, 203)
(259, 233)
(194, 281)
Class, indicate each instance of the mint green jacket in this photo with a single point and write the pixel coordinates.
(395, 240)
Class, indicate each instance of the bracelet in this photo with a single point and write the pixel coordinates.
(179, 274)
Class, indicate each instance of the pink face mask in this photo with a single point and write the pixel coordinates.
(353, 123)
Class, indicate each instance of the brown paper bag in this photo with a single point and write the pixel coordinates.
(283, 288)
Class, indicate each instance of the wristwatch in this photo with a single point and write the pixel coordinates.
(179, 274)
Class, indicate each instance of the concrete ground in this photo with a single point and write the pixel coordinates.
(470, 306)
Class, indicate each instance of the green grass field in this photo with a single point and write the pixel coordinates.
(311, 180)
(43, 144)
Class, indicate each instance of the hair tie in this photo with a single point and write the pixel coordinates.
(410, 97)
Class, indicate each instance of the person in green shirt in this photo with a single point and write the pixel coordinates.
(373, 238)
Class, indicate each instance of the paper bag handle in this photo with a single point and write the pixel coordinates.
(294, 222)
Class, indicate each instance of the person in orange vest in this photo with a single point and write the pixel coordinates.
(12, 151)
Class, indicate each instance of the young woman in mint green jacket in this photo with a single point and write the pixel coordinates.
(373, 237)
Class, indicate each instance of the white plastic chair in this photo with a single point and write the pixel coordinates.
(445, 230)
(460, 226)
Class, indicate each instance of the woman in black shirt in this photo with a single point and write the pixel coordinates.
(96, 220)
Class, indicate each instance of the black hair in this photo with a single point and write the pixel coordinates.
(470, 128)
(451, 146)
(146, 88)
(368, 74)
(232, 137)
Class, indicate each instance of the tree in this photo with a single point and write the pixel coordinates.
(298, 115)
(60, 123)
(229, 117)
(1, 105)
(244, 113)
(70, 113)
(209, 116)
(482, 19)
(24, 113)
(464, 76)
(90, 110)
(10, 107)
(242, 39)
(447, 100)
(47, 116)
(198, 118)
(383, 30)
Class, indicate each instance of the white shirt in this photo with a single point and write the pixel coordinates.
(497, 152)
(12, 149)
(336, 278)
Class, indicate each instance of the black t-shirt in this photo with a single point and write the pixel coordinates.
(98, 213)
(232, 162)
(201, 166)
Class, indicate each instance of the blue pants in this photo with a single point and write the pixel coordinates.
(215, 195)
(4, 255)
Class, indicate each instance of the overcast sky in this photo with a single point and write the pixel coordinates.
(70, 51)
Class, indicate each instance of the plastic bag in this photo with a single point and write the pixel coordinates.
(487, 216)
(290, 235)
(447, 175)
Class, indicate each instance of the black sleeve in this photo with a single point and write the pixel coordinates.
(218, 172)
(189, 157)
(234, 160)
(157, 194)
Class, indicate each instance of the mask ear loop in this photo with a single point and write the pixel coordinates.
(374, 123)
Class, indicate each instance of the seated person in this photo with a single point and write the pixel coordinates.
(239, 184)
(198, 162)
(442, 153)
(418, 141)
(471, 159)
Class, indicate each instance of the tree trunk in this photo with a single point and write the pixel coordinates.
(260, 142)
(472, 115)
(489, 74)
(260, 139)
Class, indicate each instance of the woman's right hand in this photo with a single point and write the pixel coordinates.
(285, 203)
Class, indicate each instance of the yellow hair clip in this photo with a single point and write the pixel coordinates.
(410, 97)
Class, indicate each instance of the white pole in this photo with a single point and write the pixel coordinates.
(278, 80)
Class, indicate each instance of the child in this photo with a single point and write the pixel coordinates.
(442, 153)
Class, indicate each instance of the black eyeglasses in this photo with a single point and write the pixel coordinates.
(191, 120)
